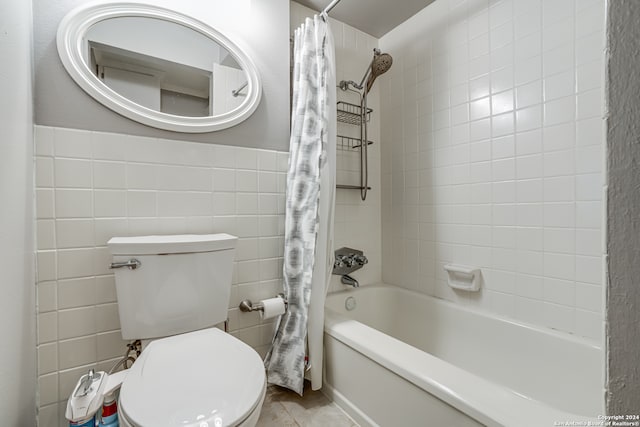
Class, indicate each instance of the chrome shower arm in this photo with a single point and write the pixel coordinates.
(344, 84)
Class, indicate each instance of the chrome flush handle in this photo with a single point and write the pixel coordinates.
(132, 264)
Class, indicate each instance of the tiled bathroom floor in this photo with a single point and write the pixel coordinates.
(284, 408)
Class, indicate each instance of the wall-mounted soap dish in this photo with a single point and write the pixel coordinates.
(463, 277)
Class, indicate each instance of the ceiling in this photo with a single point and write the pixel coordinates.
(375, 17)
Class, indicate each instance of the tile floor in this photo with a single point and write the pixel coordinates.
(284, 408)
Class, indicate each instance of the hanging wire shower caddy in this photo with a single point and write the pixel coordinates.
(356, 115)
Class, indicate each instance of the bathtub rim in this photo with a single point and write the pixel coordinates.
(433, 375)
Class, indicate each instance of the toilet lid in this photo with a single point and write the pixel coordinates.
(203, 378)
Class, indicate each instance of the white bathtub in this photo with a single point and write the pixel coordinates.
(405, 359)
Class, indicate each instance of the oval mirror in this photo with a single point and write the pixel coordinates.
(158, 67)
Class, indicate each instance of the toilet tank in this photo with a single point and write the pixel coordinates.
(182, 283)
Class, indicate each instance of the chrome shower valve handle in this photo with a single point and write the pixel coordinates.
(360, 260)
(348, 260)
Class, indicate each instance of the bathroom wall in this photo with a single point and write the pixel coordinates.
(17, 305)
(259, 27)
(623, 208)
(492, 156)
(357, 222)
(99, 175)
(91, 186)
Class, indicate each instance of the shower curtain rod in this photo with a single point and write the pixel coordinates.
(330, 6)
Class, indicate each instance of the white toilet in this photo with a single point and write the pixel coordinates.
(173, 290)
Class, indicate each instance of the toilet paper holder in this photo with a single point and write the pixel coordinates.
(247, 306)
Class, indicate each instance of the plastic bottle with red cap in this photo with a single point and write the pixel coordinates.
(109, 412)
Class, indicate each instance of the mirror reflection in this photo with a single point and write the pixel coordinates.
(164, 66)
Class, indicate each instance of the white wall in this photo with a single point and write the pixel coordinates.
(492, 130)
(259, 27)
(357, 223)
(17, 305)
(91, 186)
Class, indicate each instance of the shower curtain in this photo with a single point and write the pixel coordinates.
(310, 201)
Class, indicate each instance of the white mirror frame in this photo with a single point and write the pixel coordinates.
(74, 27)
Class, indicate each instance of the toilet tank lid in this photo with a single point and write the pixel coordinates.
(174, 244)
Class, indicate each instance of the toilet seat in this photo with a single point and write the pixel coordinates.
(203, 378)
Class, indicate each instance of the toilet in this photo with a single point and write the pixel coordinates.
(172, 291)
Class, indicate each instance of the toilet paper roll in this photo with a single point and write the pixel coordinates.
(272, 307)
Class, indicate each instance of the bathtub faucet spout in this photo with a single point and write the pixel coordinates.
(348, 280)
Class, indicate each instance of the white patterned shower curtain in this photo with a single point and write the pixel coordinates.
(310, 201)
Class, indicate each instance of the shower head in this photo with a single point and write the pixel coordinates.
(380, 65)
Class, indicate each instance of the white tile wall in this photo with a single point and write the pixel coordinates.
(92, 186)
(497, 108)
(358, 223)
